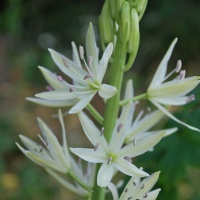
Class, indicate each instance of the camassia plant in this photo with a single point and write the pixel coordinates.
(117, 136)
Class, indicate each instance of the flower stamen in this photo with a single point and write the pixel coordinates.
(109, 160)
(190, 98)
(96, 146)
(91, 75)
(119, 128)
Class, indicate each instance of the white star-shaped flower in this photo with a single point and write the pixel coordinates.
(53, 155)
(86, 82)
(114, 156)
(171, 92)
(139, 127)
(136, 190)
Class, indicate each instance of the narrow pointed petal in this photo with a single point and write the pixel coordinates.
(105, 175)
(57, 95)
(64, 182)
(170, 131)
(142, 145)
(162, 68)
(52, 79)
(151, 195)
(128, 168)
(107, 91)
(147, 184)
(166, 112)
(172, 101)
(52, 103)
(174, 88)
(65, 146)
(118, 136)
(91, 48)
(91, 131)
(90, 155)
(103, 63)
(71, 70)
(52, 144)
(82, 103)
(75, 55)
(113, 190)
(144, 124)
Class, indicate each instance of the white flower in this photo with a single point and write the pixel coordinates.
(171, 92)
(139, 128)
(53, 155)
(86, 82)
(136, 190)
(114, 156)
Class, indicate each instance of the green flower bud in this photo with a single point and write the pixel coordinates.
(106, 24)
(112, 4)
(124, 26)
(133, 41)
(119, 4)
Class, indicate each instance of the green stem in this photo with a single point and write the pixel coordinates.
(124, 102)
(80, 182)
(116, 77)
(95, 113)
(99, 192)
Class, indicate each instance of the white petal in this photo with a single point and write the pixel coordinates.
(107, 91)
(147, 184)
(57, 95)
(165, 111)
(144, 124)
(151, 195)
(66, 184)
(174, 88)
(128, 168)
(105, 175)
(52, 103)
(75, 55)
(90, 155)
(82, 103)
(141, 146)
(52, 144)
(172, 101)
(113, 190)
(103, 63)
(65, 146)
(118, 136)
(52, 79)
(72, 70)
(162, 68)
(91, 131)
(91, 48)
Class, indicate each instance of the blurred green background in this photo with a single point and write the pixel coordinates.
(28, 28)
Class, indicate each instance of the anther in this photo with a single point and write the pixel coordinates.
(71, 89)
(149, 109)
(43, 140)
(96, 146)
(40, 150)
(142, 187)
(128, 159)
(178, 66)
(88, 76)
(64, 62)
(126, 190)
(109, 160)
(190, 98)
(134, 184)
(102, 131)
(129, 198)
(90, 59)
(81, 52)
(134, 142)
(60, 78)
(145, 196)
(182, 75)
(49, 88)
(119, 127)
